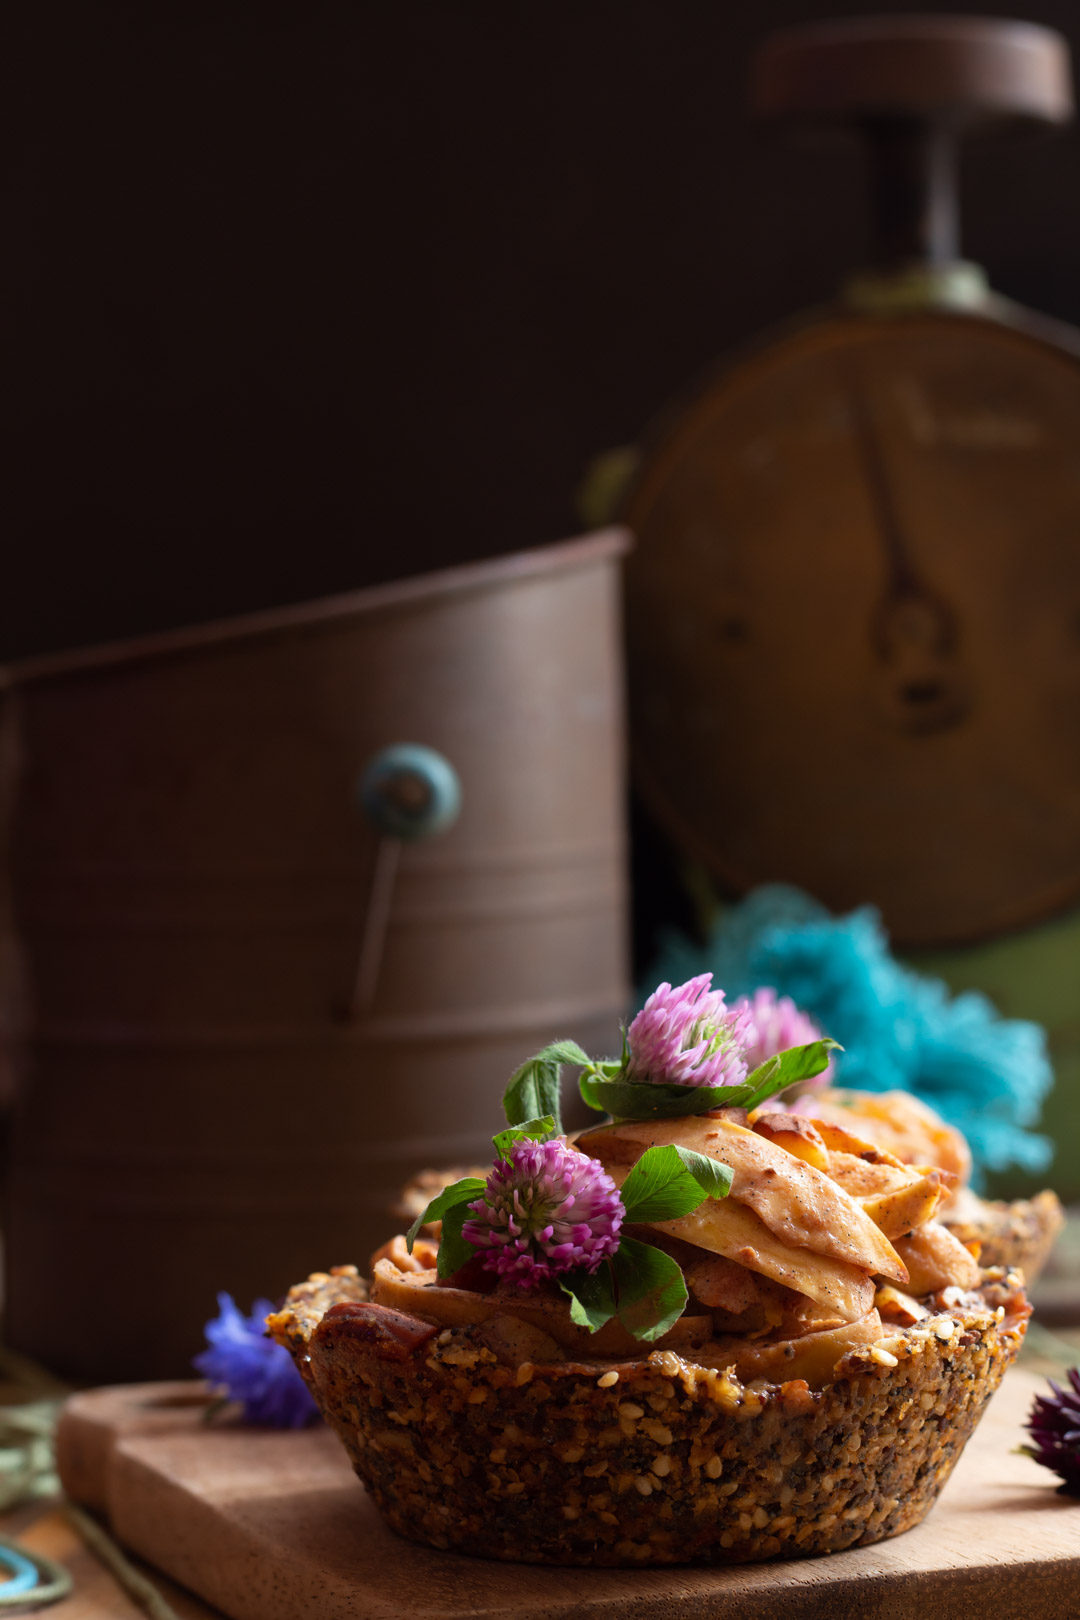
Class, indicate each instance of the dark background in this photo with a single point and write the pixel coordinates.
(305, 296)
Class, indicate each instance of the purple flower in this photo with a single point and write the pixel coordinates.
(248, 1367)
(1054, 1425)
(778, 1024)
(546, 1209)
(688, 1036)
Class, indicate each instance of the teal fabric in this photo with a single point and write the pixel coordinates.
(985, 1074)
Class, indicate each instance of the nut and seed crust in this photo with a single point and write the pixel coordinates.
(652, 1461)
(309, 1302)
(1019, 1234)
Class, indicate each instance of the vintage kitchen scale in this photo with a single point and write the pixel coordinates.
(854, 605)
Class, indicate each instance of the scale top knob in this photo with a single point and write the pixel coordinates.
(962, 70)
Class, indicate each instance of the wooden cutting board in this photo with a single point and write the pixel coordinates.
(270, 1526)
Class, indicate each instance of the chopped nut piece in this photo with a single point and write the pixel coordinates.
(895, 1306)
(423, 1257)
(884, 1358)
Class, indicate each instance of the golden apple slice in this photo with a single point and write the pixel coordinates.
(722, 1284)
(733, 1230)
(936, 1259)
(802, 1207)
(813, 1356)
(795, 1135)
(905, 1208)
(842, 1140)
(865, 1179)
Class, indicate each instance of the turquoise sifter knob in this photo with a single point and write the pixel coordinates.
(409, 791)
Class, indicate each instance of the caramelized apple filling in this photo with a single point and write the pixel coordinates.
(825, 1242)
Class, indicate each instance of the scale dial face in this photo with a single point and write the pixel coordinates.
(854, 622)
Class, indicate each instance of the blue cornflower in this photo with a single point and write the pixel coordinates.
(248, 1367)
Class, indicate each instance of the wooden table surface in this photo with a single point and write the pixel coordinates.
(98, 1595)
(43, 1526)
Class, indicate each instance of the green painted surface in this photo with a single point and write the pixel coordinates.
(1034, 974)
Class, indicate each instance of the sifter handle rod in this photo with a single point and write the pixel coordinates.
(376, 919)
